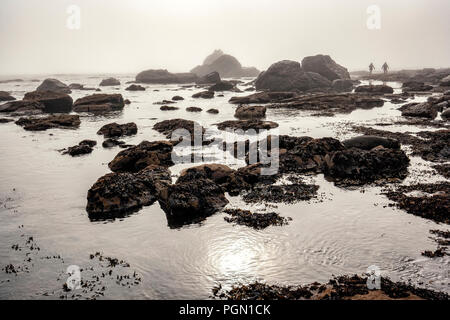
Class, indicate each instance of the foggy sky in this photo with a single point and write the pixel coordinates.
(129, 36)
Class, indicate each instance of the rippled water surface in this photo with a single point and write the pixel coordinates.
(43, 195)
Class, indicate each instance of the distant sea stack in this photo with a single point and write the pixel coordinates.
(226, 65)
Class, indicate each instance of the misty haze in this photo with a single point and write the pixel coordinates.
(224, 150)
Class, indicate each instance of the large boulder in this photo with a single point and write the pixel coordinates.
(22, 106)
(5, 96)
(219, 173)
(226, 65)
(109, 82)
(114, 130)
(63, 121)
(375, 89)
(223, 86)
(421, 110)
(288, 75)
(325, 66)
(53, 102)
(342, 85)
(121, 193)
(144, 154)
(250, 112)
(358, 166)
(53, 85)
(415, 86)
(204, 94)
(189, 201)
(161, 76)
(209, 78)
(99, 102)
(167, 127)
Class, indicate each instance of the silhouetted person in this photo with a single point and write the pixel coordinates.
(385, 68)
(371, 67)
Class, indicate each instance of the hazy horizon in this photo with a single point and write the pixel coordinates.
(128, 37)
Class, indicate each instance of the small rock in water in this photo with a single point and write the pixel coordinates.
(255, 220)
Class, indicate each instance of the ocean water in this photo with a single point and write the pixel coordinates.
(343, 231)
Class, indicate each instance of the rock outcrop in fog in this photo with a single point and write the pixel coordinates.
(226, 65)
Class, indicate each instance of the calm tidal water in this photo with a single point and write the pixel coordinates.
(43, 196)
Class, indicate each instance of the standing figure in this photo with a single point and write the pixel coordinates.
(385, 68)
(371, 67)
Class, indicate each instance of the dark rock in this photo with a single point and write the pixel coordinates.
(53, 102)
(222, 86)
(342, 85)
(330, 103)
(99, 103)
(76, 86)
(144, 154)
(304, 154)
(114, 129)
(22, 106)
(446, 114)
(119, 193)
(289, 193)
(357, 166)
(6, 120)
(126, 101)
(204, 94)
(219, 173)
(430, 201)
(167, 127)
(164, 77)
(246, 125)
(193, 109)
(338, 288)
(263, 97)
(53, 85)
(255, 220)
(250, 112)
(164, 102)
(84, 147)
(226, 65)
(288, 75)
(5, 96)
(325, 66)
(168, 108)
(442, 169)
(54, 121)
(435, 147)
(375, 89)
(212, 111)
(191, 201)
(422, 110)
(135, 87)
(177, 98)
(109, 143)
(369, 142)
(415, 86)
(109, 82)
(209, 78)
